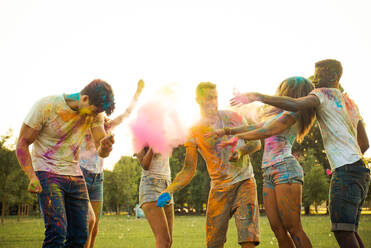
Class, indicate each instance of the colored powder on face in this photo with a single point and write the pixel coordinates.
(158, 124)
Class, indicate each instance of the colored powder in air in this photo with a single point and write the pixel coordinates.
(158, 124)
(252, 112)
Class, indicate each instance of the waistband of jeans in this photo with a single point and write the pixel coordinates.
(91, 174)
(347, 166)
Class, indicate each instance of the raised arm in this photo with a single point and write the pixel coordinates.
(271, 128)
(362, 138)
(26, 137)
(282, 102)
(119, 119)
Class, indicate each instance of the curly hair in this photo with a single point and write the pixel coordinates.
(100, 95)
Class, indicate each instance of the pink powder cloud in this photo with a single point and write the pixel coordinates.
(158, 125)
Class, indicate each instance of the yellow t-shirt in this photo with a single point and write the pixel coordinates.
(221, 171)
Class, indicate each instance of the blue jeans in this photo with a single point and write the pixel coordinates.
(64, 204)
(94, 183)
(348, 190)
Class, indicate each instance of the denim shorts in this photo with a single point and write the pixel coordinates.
(288, 171)
(348, 190)
(150, 188)
(94, 183)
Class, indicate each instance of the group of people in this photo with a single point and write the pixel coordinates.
(70, 131)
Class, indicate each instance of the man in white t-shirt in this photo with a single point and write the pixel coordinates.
(56, 126)
(345, 140)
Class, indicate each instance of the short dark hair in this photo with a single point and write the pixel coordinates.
(201, 87)
(331, 69)
(100, 95)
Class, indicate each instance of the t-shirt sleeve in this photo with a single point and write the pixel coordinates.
(318, 93)
(36, 116)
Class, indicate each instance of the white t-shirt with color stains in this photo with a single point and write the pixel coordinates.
(159, 168)
(338, 117)
(56, 148)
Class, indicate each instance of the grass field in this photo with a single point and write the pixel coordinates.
(189, 232)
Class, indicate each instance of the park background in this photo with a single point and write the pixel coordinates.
(54, 47)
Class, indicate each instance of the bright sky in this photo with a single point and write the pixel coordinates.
(52, 47)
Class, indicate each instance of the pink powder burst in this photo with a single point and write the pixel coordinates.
(157, 125)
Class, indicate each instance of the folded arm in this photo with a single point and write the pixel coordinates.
(145, 157)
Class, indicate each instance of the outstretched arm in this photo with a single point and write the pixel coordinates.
(232, 131)
(282, 102)
(271, 128)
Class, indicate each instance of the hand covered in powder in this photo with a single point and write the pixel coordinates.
(245, 98)
(217, 133)
(34, 186)
(234, 156)
(106, 145)
(163, 199)
(231, 142)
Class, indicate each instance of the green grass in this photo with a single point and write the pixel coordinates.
(189, 232)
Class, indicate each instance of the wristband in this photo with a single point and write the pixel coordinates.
(227, 131)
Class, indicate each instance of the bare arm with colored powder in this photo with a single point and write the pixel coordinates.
(362, 137)
(145, 157)
(185, 176)
(119, 119)
(271, 128)
(232, 131)
(103, 141)
(282, 102)
(26, 137)
(250, 147)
